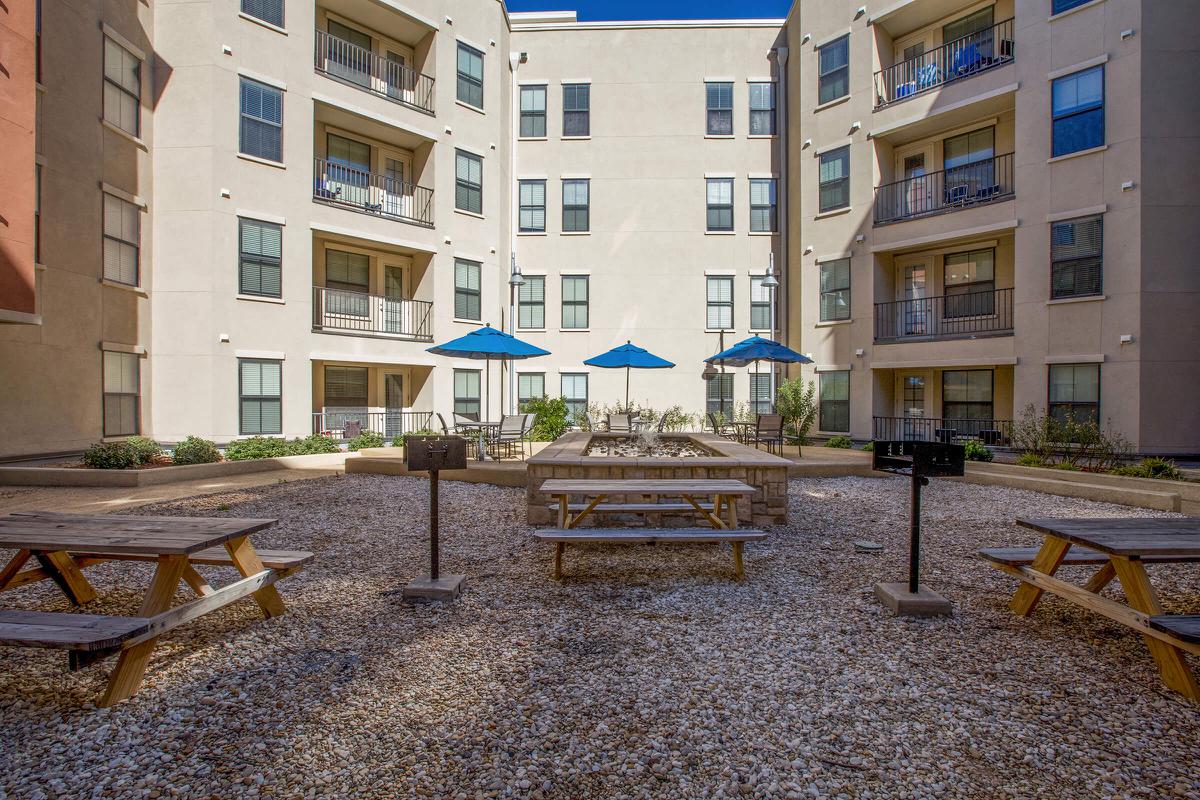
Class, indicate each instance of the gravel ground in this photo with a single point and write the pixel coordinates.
(647, 674)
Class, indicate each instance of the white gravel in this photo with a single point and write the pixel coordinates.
(647, 674)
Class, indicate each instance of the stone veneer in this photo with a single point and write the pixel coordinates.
(564, 458)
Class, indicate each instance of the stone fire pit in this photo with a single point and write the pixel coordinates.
(678, 455)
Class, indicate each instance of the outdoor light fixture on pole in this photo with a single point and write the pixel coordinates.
(515, 281)
(771, 283)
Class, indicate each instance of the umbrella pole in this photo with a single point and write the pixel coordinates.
(628, 410)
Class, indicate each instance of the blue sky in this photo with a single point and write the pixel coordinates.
(592, 10)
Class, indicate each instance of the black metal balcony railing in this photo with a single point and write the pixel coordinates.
(371, 315)
(951, 189)
(961, 58)
(338, 422)
(371, 193)
(372, 72)
(952, 316)
(942, 429)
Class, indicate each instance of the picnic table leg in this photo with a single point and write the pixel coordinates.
(1101, 579)
(590, 507)
(713, 520)
(13, 567)
(131, 666)
(1047, 561)
(558, 558)
(732, 502)
(248, 563)
(738, 567)
(564, 517)
(1172, 665)
(66, 573)
(197, 581)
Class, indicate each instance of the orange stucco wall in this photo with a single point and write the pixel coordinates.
(18, 104)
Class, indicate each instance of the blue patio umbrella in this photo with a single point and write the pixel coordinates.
(755, 349)
(629, 356)
(486, 344)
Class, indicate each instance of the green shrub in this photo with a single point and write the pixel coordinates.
(840, 442)
(1162, 468)
(796, 402)
(1067, 466)
(869, 447)
(313, 444)
(1030, 460)
(551, 418)
(977, 451)
(110, 455)
(676, 419)
(194, 450)
(398, 441)
(146, 449)
(364, 440)
(256, 447)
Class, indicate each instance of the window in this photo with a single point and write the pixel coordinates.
(834, 401)
(719, 105)
(835, 290)
(122, 87)
(1075, 392)
(763, 204)
(346, 387)
(1059, 6)
(348, 271)
(533, 112)
(466, 391)
(1077, 257)
(575, 392)
(575, 301)
(833, 70)
(470, 75)
(760, 304)
(269, 11)
(762, 109)
(122, 240)
(760, 393)
(835, 179)
(260, 256)
(575, 205)
(532, 218)
(720, 302)
(965, 26)
(718, 395)
(1078, 111)
(970, 281)
(468, 182)
(37, 212)
(262, 121)
(720, 204)
(530, 386)
(260, 389)
(531, 302)
(467, 289)
(122, 394)
(958, 152)
(966, 395)
(577, 105)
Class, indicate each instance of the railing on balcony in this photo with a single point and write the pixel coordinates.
(952, 316)
(943, 429)
(961, 58)
(372, 72)
(344, 311)
(371, 193)
(950, 189)
(338, 422)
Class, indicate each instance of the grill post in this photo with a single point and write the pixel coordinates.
(432, 454)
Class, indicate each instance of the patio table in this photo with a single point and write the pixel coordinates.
(1121, 546)
(489, 430)
(743, 430)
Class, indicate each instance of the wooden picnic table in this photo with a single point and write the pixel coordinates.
(1121, 547)
(64, 544)
(696, 495)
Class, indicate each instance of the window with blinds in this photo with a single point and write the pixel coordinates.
(260, 390)
(762, 109)
(468, 182)
(834, 179)
(835, 290)
(261, 133)
(760, 393)
(576, 205)
(122, 87)
(346, 387)
(470, 75)
(970, 283)
(834, 403)
(1074, 392)
(718, 395)
(260, 258)
(575, 301)
(269, 11)
(577, 104)
(833, 70)
(531, 302)
(760, 304)
(763, 205)
(967, 395)
(122, 240)
(575, 393)
(467, 289)
(532, 217)
(122, 394)
(533, 112)
(466, 391)
(1077, 257)
(718, 99)
(720, 302)
(530, 386)
(719, 200)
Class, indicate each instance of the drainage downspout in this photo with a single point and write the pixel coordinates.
(783, 274)
(515, 60)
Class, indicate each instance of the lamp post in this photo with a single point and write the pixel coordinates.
(771, 283)
(515, 281)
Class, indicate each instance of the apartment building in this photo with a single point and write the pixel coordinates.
(261, 213)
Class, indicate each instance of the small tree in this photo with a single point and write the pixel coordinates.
(796, 402)
(551, 418)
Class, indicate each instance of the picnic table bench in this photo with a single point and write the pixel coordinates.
(714, 500)
(1121, 547)
(64, 544)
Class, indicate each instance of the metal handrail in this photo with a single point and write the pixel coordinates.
(934, 429)
(371, 314)
(945, 316)
(372, 72)
(386, 423)
(945, 190)
(961, 58)
(371, 193)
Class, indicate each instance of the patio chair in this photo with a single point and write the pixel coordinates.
(510, 435)
(527, 429)
(620, 423)
(442, 422)
(351, 429)
(662, 423)
(591, 423)
(768, 430)
(463, 421)
(724, 430)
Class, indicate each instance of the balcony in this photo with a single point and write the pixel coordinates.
(338, 59)
(346, 423)
(942, 429)
(370, 193)
(956, 316)
(962, 58)
(358, 313)
(953, 189)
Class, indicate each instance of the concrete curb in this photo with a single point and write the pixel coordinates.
(113, 478)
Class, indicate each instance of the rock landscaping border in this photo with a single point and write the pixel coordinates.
(57, 476)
